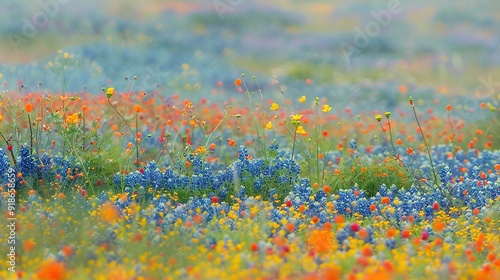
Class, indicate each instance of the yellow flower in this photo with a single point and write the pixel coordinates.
(274, 107)
(300, 130)
(1, 118)
(296, 117)
(72, 119)
(110, 91)
(378, 117)
(491, 107)
(200, 150)
(326, 108)
(302, 99)
(269, 125)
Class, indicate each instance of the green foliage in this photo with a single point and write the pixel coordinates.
(369, 174)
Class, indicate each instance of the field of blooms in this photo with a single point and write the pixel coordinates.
(249, 140)
(126, 185)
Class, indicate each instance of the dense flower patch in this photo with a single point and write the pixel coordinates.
(130, 186)
(113, 235)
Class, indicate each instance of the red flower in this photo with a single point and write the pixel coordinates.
(435, 206)
(425, 235)
(355, 227)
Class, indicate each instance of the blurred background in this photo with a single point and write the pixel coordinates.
(357, 53)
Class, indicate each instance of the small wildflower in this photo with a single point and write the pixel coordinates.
(405, 233)
(269, 125)
(110, 91)
(302, 99)
(378, 117)
(385, 200)
(326, 108)
(29, 107)
(355, 227)
(72, 119)
(237, 82)
(274, 106)
(491, 107)
(295, 119)
(425, 235)
(435, 206)
(254, 247)
(109, 212)
(300, 130)
(387, 114)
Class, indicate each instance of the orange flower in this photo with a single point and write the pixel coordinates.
(67, 251)
(72, 119)
(439, 226)
(405, 233)
(391, 232)
(315, 220)
(366, 251)
(137, 108)
(237, 82)
(321, 241)
(51, 271)
(363, 234)
(385, 200)
(254, 247)
(109, 212)
(29, 107)
(29, 244)
(327, 189)
(339, 219)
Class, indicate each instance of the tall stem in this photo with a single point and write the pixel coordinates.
(293, 151)
(425, 142)
(31, 133)
(137, 139)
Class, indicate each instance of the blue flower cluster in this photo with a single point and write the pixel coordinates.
(253, 176)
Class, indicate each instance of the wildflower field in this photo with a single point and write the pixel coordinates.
(126, 159)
